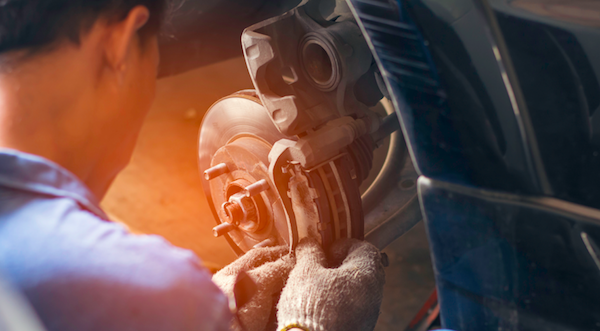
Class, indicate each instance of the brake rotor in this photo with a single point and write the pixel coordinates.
(236, 137)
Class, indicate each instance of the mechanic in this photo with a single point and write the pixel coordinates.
(76, 80)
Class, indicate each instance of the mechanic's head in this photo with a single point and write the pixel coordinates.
(76, 80)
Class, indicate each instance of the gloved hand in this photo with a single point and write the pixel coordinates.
(338, 292)
(269, 269)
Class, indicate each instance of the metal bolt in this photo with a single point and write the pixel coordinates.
(256, 188)
(216, 171)
(222, 229)
(265, 243)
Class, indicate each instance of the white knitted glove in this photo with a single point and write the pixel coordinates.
(269, 269)
(342, 291)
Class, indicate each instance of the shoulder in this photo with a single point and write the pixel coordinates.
(82, 272)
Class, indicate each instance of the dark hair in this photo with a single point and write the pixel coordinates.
(38, 24)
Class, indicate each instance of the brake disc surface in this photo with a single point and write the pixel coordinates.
(238, 132)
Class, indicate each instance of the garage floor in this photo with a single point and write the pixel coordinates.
(160, 191)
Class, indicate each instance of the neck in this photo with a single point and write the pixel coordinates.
(41, 104)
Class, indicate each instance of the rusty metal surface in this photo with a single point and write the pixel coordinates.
(390, 203)
(392, 206)
(305, 204)
(321, 202)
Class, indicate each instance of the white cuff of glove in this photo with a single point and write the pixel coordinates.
(293, 327)
(302, 324)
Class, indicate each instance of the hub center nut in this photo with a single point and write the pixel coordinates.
(241, 211)
(233, 212)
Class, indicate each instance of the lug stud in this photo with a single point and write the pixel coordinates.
(256, 188)
(222, 229)
(216, 171)
(265, 243)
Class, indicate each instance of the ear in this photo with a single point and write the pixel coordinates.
(122, 36)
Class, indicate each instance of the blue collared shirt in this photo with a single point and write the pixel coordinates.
(81, 272)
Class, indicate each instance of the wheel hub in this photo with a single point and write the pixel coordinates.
(246, 206)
